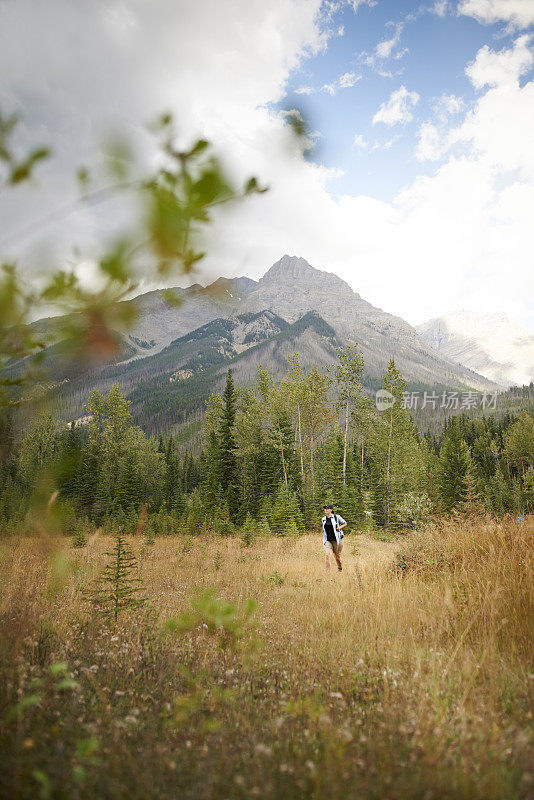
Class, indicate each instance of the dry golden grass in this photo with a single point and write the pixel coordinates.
(407, 675)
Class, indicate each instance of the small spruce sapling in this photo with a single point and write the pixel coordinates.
(248, 534)
(118, 587)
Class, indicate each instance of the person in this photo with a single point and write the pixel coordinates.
(333, 525)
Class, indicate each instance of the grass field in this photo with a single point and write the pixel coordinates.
(408, 675)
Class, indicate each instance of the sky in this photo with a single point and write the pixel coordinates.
(419, 187)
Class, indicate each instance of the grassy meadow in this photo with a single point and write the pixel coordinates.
(408, 675)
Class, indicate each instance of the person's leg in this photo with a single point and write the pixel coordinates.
(327, 555)
(337, 552)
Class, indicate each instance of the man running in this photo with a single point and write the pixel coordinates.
(333, 534)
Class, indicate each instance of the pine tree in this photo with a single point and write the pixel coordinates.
(454, 463)
(285, 511)
(228, 471)
(472, 504)
(249, 530)
(263, 527)
(129, 494)
(210, 487)
(118, 587)
(395, 450)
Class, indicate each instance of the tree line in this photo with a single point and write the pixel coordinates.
(273, 454)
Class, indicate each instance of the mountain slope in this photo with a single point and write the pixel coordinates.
(490, 344)
(201, 360)
(175, 356)
(291, 287)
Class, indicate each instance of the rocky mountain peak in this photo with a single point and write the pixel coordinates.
(293, 270)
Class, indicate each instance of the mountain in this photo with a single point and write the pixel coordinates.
(291, 287)
(158, 323)
(175, 356)
(170, 387)
(491, 344)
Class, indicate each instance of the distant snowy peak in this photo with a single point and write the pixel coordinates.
(490, 343)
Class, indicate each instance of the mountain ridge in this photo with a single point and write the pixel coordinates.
(490, 343)
(174, 356)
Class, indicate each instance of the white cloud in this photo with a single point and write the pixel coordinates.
(433, 135)
(398, 108)
(357, 4)
(431, 144)
(121, 62)
(345, 81)
(448, 105)
(388, 144)
(460, 237)
(363, 145)
(518, 13)
(305, 90)
(497, 128)
(440, 8)
(503, 68)
(384, 48)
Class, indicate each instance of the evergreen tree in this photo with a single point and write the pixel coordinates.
(472, 504)
(395, 450)
(285, 512)
(119, 585)
(129, 494)
(249, 530)
(454, 463)
(228, 471)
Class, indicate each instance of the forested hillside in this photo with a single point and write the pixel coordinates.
(273, 452)
(176, 355)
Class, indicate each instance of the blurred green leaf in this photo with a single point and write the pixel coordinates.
(45, 784)
(199, 147)
(172, 298)
(23, 170)
(23, 705)
(83, 178)
(116, 263)
(58, 668)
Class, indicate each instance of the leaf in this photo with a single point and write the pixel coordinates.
(252, 187)
(172, 298)
(67, 683)
(58, 667)
(83, 178)
(116, 263)
(23, 705)
(198, 147)
(86, 748)
(23, 170)
(43, 779)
